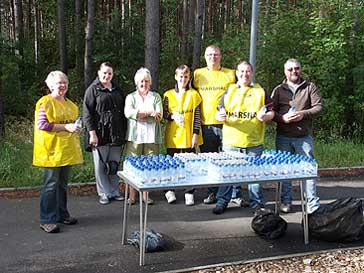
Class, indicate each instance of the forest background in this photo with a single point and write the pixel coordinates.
(75, 36)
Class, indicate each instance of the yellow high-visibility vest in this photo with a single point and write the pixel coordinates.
(177, 136)
(242, 128)
(211, 84)
(56, 149)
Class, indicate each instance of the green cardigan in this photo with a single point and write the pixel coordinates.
(131, 112)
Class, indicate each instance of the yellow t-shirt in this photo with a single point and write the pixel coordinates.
(211, 84)
(242, 128)
(177, 136)
(56, 149)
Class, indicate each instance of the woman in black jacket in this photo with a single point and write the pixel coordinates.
(105, 123)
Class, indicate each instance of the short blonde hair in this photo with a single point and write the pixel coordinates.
(214, 47)
(142, 74)
(52, 76)
(183, 69)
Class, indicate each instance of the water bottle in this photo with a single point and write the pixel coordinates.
(292, 110)
(78, 123)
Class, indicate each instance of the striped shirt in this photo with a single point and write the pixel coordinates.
(42, 122)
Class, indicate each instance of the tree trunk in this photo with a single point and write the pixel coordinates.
(152, 34)
(79, 34)
(89, 42)
(2, 127)
(62, 36)
(36, 33)
(184, 31)
(19, 28)
(210, 25)
(191, 29)
(198, 33)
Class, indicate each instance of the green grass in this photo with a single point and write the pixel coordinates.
(16, 151)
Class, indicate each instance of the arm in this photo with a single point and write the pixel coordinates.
(166, 114)
(89, 114)
(158, 106)
(221, 112)
(44, 124)
(196, 126)
(130, 110)
(316, 103)
(269, 113)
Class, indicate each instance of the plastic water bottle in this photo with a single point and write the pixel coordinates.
(78, 122)
(292, 110)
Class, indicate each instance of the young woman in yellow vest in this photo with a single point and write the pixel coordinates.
(243, 108)
(181, 109)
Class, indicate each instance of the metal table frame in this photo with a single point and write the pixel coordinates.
(201, 182)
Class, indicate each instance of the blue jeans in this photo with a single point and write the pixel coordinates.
(53, 198)
(302, 146)
(225, 193)
(212, 142)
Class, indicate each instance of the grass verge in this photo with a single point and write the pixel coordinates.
(16, 150)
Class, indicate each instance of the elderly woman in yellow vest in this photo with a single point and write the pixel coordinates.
(244, 107)
(181, 108)
(56, 149)
(143, 110)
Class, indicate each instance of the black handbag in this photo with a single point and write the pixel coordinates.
(111, 166)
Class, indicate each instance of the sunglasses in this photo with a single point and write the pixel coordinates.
(291, 69)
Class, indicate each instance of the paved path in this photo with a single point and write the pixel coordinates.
(196, 236)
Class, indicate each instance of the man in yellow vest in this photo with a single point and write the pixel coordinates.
(243, 108)
(211, 82)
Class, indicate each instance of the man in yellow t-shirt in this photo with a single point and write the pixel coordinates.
(211, 82)
(243, 108)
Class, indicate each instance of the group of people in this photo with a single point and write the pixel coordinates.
(215, 109)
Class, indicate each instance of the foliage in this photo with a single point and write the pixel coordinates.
(16, 151)
(326, 36)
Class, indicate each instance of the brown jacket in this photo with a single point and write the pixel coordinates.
(307, 98)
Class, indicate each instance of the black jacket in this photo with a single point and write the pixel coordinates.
(103, 111)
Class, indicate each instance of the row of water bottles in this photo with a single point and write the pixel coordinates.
(270, 165)
(155, 169)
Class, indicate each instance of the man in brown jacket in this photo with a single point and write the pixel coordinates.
(296, 103)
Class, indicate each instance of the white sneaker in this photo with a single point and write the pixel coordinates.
(170, 196)
(189, 199)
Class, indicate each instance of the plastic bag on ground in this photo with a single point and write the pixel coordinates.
(269, 225)
(339, 221)
(154, 241)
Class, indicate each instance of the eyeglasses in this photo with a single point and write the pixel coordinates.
(291, 69)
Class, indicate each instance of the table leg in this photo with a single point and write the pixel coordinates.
(145, 226)
(304, 211)
(125, 214)
(141, 243)
(278, 198)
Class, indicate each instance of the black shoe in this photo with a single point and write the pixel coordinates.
(211, 199)
(68, 221)
(219, 209)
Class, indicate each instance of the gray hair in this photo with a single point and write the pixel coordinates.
(292, 60)
(52, 76)
(141, 74)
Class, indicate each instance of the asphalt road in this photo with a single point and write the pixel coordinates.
(196, 237)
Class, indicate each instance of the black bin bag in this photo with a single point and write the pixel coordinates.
(339, 221)
(269, 225)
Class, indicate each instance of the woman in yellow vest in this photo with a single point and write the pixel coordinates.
(243, 108)
(181, 109)
(56, 149)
